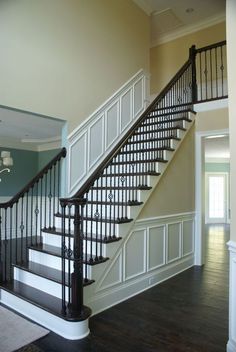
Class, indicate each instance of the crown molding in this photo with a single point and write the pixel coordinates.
(188, 29)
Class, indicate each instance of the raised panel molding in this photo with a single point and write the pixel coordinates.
(113, 276)
(141, 261)
(96, 146)
(156, 245)
(106, 126)
(174, 243)
(135, 254)
(188, 237)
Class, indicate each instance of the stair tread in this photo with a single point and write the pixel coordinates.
(146, 150)
(140, 161)
(117, 174)
(100, 238)
(122, 188)
(154, 140)
(47, 272)
(56, 251)
(160, 130)
(102, 219)
(164, 121)
(39, 298)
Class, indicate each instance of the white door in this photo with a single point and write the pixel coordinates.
(216, 198)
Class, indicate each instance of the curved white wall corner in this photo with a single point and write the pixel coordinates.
(231, 346)
(154, 250)
(94, 138)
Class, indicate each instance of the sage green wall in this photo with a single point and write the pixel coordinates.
(45, 156)
(26, 165)
(217, 167)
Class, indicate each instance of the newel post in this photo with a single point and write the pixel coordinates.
(192, 58)
(77, 275)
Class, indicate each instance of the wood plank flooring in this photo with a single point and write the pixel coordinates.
(188, 313)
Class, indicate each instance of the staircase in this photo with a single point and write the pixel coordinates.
(51, 247)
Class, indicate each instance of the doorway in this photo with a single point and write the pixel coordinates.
(216, 197)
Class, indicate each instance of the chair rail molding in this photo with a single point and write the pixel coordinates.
(231, 346)
(91, 141)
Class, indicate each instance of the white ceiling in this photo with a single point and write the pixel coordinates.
(28, 128)
(217, 148)
(169, 18)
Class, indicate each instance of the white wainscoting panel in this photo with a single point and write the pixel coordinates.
(173, 241)
(188, 240)
(113, 276)
(135, 254)
(154, 250)
(156, 247)
(78, 151)
(126, 109)
(89, 144)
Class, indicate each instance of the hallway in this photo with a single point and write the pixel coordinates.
(188, 313)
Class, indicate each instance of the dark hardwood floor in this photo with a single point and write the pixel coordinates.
(186, 313)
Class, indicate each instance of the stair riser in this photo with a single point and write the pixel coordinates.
(143, 145)
(53, 261)
(96, 227)
(92, 247)
(134, 156)
(39, 282)
(119, 181)
(152, 133)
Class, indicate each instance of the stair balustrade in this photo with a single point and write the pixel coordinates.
(100, 211)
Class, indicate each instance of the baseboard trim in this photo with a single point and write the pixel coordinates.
(127, 290)
(231, 346)
(68, 330)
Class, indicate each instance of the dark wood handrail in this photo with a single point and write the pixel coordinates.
(212, 46)
(99, 170)
(34, 180)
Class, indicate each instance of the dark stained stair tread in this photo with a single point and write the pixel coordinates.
(117, 174)
(146, 150)
(160, 160)
(173, 128)
(56, 251)
(142, 141)
(122, 188)
(40, 299)
(47, 272)
(99, 238)
(99, 219)
(163, 121)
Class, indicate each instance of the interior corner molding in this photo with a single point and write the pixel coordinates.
(91, 141)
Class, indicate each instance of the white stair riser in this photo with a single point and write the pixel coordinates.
(55, 240)
(38, 282)
(53, 261)
(96, 227)
(67, 329)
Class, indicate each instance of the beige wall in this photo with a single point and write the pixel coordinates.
(212, 120)
(65, 58)
(167, 58)
(175, 192)
(231, 55)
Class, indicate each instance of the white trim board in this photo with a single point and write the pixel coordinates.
(231, 345)
(199, 191)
